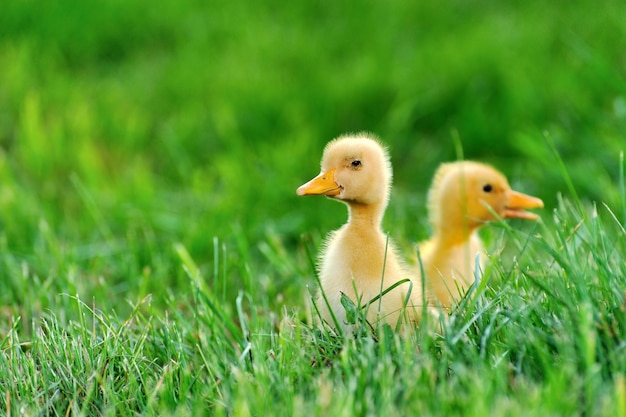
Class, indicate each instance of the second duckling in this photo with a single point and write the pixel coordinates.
(464, 196)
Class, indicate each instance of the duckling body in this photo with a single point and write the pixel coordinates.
(463, 197)
(361, 271)
(358, 259)
(450, 266)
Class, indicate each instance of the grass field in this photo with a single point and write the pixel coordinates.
(155, 259)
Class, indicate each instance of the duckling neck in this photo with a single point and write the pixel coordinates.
(365, 215)
(454, 234)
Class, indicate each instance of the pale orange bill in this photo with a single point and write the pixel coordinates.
(323, 184)
(518, 202)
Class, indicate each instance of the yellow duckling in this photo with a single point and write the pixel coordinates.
(463, 197)
(356, 171)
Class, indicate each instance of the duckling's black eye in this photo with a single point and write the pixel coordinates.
(487, 188)
(356, 163)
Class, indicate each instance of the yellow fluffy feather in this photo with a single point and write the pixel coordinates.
(356, 171)
(463, 197)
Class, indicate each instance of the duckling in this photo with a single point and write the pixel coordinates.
(463, 197)
(358, 260)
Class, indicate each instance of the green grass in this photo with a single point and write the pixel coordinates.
(155, 260)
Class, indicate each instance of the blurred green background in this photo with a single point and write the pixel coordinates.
(127, 126)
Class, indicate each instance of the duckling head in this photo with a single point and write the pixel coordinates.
(354, 169)
(470, 194)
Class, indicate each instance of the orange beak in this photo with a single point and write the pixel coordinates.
(518, 202)
(323, 184)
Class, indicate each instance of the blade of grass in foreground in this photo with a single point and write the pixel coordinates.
(564, 172)
(622, 188)
(219, 316)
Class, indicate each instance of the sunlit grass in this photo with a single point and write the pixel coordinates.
(545, 336)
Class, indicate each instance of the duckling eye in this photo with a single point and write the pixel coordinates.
(487, 188)
(356, 163)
